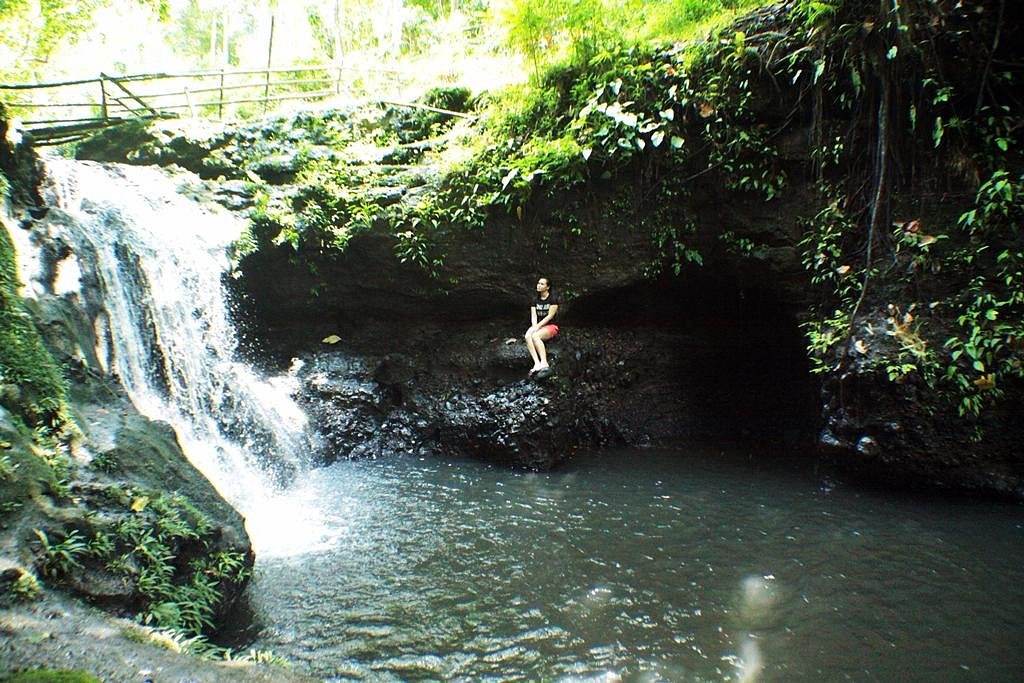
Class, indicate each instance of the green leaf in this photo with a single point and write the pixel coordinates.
(509, 177)
(855, 78)
(938, 132)
(677, 142)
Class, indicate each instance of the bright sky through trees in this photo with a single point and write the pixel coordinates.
(384, 44)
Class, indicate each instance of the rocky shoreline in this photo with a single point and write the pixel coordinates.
(55, 632)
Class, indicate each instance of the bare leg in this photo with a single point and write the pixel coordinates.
(538, 342)
(541, 351)
(533, 351)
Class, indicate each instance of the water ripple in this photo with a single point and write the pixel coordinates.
(653, 571)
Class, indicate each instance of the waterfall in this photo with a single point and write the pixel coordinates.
(148, 265)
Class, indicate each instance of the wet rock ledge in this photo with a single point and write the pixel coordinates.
(672, 373)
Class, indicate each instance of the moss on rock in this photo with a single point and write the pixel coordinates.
(31, 383)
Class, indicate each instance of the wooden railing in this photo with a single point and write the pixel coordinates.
(55, 113)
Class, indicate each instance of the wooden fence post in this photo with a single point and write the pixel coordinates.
(220, 97)
(270, 53)
(103, 97)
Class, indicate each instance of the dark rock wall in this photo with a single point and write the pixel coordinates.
(656, 362)
(644, 359)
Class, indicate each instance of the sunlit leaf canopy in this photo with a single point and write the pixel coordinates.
(477, 43)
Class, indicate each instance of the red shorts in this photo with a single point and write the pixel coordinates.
(552, 328)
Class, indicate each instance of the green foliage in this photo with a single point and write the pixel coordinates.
(59, 558)
(416, 248)
(101, 546)
(740, 246)
(739, 148)
(142, 545)
(548, 31)
(25, 588)
(260, 657)
(412, 124)
(990, 309)
(325, 211)
(557, 164)
(7, 467)
(634, 111)
(174, 597)
(50, 23)
(812, 13)
(673, 249)
(852, 52)
(105, 462)
(823, 334)
(212, 33)
(824, 243)
(199, 646)
(628, 107)
(663, 111)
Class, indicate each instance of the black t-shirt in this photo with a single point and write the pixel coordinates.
(542, 305)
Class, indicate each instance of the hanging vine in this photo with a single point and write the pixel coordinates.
(900, 73)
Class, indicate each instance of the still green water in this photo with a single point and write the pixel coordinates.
(696, 565)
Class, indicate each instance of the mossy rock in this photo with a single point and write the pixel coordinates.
(147, 452)
(114, 143)
(38, 392)
(23, 474)
(454, 98)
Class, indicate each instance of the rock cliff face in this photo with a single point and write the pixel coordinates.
(96, 497)
(440, 367)
(714, 351)
(639, 361)
(427, 365)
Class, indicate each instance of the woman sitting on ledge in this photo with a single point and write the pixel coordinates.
(542, 312)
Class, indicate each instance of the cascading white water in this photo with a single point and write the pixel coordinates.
(152, 262)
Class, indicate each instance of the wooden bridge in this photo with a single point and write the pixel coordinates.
(56, 113)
